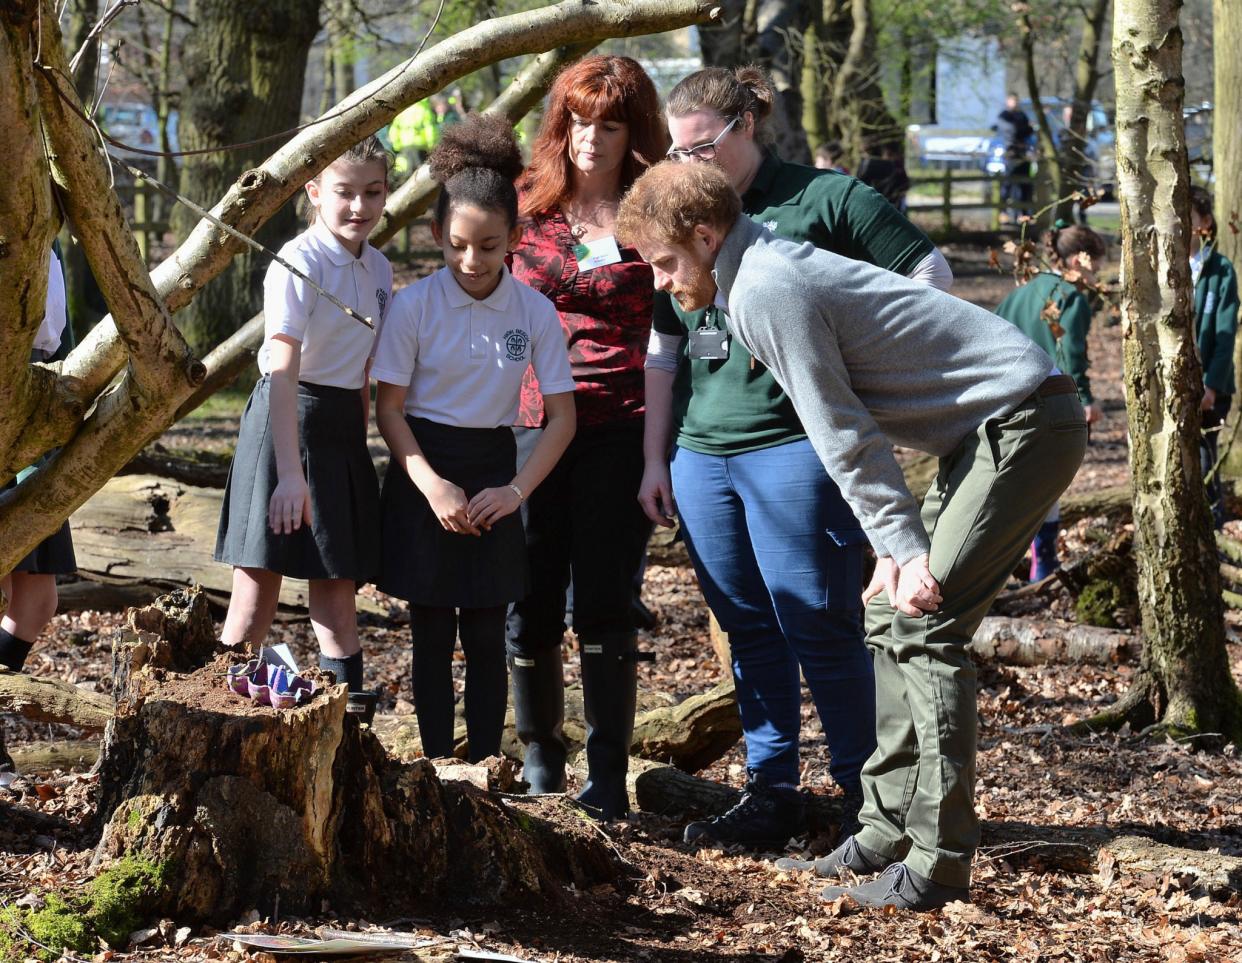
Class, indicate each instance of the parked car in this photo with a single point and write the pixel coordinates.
(1099, 148)
(136, 125)
(1197, 120)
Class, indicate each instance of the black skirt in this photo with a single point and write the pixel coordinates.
(342, 540)
(52, 556)
(426, 565)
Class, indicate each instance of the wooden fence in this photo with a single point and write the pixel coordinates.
(989, 196)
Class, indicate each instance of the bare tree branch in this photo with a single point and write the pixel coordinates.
(408, 202)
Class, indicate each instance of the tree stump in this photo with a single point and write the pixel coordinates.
(249, 807)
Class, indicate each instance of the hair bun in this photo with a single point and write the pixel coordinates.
(755, 79)
(480, 140)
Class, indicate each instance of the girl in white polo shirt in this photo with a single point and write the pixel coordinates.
(302, 497)
(450, 363)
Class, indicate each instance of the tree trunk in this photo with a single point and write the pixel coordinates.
(244, 68)
(1184, 680)
(781, 25)
(247, 807)
(24, 242)
(1227, 139)
(722, 42)
(858, 110)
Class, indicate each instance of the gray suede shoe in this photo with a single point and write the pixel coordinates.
(850, 855)
(901, 887)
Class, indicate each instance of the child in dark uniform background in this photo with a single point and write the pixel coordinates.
(1216, 326)
(1056, 315)
(450, 365)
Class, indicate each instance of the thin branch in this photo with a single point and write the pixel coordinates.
(110, 14)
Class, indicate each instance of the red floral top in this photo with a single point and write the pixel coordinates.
(605, 314)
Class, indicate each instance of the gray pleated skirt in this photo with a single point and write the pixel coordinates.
(342, 540)
(426, 565)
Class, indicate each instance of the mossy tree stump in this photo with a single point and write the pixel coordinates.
(247, 807)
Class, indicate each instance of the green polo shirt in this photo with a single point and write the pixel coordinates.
(1216, 320)
(1024, 308)
(735, 405)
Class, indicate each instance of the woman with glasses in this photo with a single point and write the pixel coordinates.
(602, 128)
(778, 553)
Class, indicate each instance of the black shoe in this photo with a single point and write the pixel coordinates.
(539, 715)
(851, 806)
(850, 855)
(361, 706)
(901, 887)
(764, 815)
(609, 692)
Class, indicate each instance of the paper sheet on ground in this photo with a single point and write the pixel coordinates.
(338, 944)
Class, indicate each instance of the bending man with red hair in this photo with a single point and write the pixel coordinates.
(871, 359)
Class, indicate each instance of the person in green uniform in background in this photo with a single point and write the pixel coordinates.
(1216, 326)
(1051, 311)
(778, 553)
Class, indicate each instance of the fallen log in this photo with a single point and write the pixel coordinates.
(662, 789)
(1044, 642)
(245, 806)
(1115, 504)
(202, 469)
(690, 735)
(1103, 851)
(72, 755)
(143, 529)
(51, 700)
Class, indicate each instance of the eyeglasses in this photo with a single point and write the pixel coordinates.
(703, 152)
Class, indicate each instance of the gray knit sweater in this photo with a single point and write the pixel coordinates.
(869, 359)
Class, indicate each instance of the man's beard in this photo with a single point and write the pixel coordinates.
(697, 292)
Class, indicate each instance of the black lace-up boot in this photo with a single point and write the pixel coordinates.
(766, 814)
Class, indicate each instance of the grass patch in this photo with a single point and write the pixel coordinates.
(227, 403)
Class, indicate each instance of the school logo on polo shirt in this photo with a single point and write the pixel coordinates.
(381, 298)
(516, 342)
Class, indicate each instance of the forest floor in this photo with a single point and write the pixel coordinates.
(711, 904)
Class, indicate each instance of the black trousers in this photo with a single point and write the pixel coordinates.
(1209, 451)
(584, 521)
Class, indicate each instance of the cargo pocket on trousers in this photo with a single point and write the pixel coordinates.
(843, 580)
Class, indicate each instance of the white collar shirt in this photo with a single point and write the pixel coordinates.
(335, 347)
(464, 358)
(55, 316)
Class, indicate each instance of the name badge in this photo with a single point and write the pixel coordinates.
(709, 344)
(598, 253)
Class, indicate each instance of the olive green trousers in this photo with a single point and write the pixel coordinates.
(990, 496)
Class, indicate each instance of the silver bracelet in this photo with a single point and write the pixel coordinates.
(517, 491)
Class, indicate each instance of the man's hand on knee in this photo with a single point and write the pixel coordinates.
(917, 591)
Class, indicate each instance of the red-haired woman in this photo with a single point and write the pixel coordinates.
(601, 129)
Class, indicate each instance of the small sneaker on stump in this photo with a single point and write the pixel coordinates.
(766, 814)
(901, 887)
(850, 856)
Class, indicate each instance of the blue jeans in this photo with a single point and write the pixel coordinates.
(778, 554)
